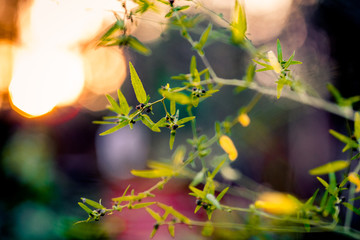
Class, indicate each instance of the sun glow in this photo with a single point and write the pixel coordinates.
(51, 68)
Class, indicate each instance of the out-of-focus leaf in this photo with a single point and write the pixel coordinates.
(222, 193)
(176, 96)
(92, 203)
(352, 208)
(155, 215)
(345, 139)
(323, 182)
(198, 193)
(172, 139)
(83, 206)
(208, 229)
(357, 126)
(153, 173)
(137, 85)
(238, 23)
(171, 229)
(175, 213)
(213, 200)
(114, 106)
(330, 167)
(142, 205)
(185, 120)
(279, 51)
(138, 46)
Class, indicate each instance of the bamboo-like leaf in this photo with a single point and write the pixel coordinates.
(311, 200)
(138, 46)
(172, 107)
(218, 167)
(114, 106)
(114, 129)
(146, 120)
(153, 173)
(155, 215)
(83, 206)
(179, 155)
(142, 205)
(238, 23)
(357, 126)
(92, 203)
(137, 85)
(203, 39)
(288, 62)
(213, 200)
(172, 139)
(336, 94)
(124, 106)
(175, 213)
(323, 182)
(345, 139)
(171, 229)
(330, 167)
(279, 51)
(176, 96)
(185, 120)
(352, 208)
(160, 123)
(193, 65)
(324, 199)
(198, 193)
(222, 193)
(132, 197)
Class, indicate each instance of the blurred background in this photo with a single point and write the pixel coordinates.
(53, 81)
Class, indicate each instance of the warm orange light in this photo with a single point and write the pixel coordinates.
(6, 64)
(45, 78)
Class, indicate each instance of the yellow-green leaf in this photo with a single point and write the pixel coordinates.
(142, 205)
(330, 167)
(171, 229)
(357, 126)
(155, 215)
(124, 106)
(114, 129)
(238, 23)
(208, 229)
(153, 173)
(177, 97)
(137, 85)
(198, 193)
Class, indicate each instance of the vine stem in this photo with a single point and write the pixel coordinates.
(305, 99)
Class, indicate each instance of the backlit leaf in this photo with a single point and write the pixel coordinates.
(124, 106)
(137, 85)
(330, 167)
(114, 129)
(238, 23)
(92, 203)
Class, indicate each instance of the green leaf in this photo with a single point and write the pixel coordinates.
(349, 142)
(324, 199)
(336, 94)
(330, 167)
(175, 213)
(118, 25)
(279, 88)
(114, 106)
(185, 120)
(172, 107)
(138, 46)
(175, 96)
(357, 126)
(218, 167)
(114, 129)
(160, 123)
(288, 62)
(279, 51)
(172, 139)
(171, 229)
(137, 85)
(238, 24)
(124, 106)
(222, 193)
(203, 39)
(311, 200)
(153, 173)
(92, 203)
(155, 215)
(193, 65)
(351, 207)
(250, 73)
(199, 177)
(198, 193)
(323, 182)
(179, 155)
(103, 122)
(83, 206)
(142, 205)
(146, 120)
(194, 100)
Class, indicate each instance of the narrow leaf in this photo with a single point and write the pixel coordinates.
(177, 97)
(208, 229)
(357, 126)
(155, 215)
(124, 106)
(238, 23)
(172, 107)
(114, 129)
(142, 205)
(185, 120)
(198, 193)
(153, 173)
(83, 206)
(330, 167)
(323, 182)
(172, 139)
(114, 106)
(352, 208)
(279, 51)
(137, 85)
(171, 229)
(222, 193)
(92, 203)
(138, 46)
(288, 62)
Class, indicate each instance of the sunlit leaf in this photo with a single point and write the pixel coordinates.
(330, 167)
(114, 129)
(142, 205)
(177, 97)
(155, 215)
(153, 173)
(137, 85)
(138, 46)
(92, 203)
(124, 106)
(238, 23)
(83, 206)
